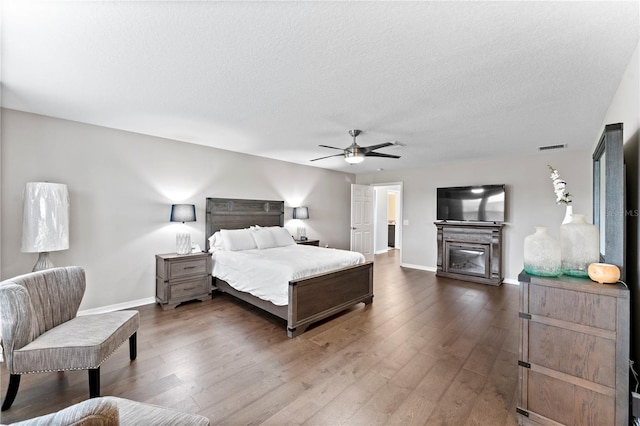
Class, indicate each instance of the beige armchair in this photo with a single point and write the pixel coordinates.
(41, 332)
(112, 411)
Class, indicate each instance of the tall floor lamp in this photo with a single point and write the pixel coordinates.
(45, 221)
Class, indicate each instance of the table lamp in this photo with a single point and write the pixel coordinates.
(183, 213)
(301, 213)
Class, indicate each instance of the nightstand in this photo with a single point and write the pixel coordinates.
(182, 277)
(308, 242)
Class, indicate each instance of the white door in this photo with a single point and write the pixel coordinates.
(362, 220)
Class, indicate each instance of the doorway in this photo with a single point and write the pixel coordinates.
(387, 218)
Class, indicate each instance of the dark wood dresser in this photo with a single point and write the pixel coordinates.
(574, 352)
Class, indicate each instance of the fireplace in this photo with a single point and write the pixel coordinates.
(470, 251)
(469, 259)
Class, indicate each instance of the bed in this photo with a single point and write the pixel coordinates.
(310, 298)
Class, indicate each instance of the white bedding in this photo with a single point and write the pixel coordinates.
(266, 273)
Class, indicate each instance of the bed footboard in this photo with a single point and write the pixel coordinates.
(319, 296)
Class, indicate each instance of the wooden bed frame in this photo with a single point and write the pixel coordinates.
(310, 299)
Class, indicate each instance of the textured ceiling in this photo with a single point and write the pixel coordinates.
(450, 80)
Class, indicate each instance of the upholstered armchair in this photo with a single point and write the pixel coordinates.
(112, 411)
(41, 332)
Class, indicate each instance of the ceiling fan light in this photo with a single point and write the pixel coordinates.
(353, 158)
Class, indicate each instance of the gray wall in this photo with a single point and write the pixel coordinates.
(122, 186)
(530, 199)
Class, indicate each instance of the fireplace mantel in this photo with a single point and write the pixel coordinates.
(470, 251)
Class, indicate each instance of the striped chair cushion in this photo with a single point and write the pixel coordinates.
(78, 344)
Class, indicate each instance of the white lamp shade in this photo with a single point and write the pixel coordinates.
(183, 213)
(301, 213)
(45, 219)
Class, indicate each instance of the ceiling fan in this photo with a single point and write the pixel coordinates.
(355, 153)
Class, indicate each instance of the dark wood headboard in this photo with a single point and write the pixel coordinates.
(230, 213)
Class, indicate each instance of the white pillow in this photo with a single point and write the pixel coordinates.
(264, 238)
(237, 239)
(215, 242)
(281, 236)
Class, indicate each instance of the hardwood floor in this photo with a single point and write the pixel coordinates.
(428, 351)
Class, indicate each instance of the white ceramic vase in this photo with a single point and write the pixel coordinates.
(567, 214)
(183, 243)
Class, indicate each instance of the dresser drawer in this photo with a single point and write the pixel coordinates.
(579, 307)
(187, 268)
(567, 403)
(189, 288)
(581, 354)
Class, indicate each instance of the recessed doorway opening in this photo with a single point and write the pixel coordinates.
(387, 217)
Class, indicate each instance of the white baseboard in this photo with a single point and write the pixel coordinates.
(118, 306)
(511, 281)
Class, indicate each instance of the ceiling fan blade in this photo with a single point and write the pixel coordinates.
(332, 147)
(374, 147)
(328, 156)
(379, 154)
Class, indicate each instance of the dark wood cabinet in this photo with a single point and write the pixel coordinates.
(392, 236)
(574, 352)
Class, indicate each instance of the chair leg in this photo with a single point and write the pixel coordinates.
(12, 391)
(94, 382)
(133, 346)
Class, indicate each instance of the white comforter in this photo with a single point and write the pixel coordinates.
(266, 273)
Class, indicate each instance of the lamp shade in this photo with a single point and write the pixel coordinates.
(301, 213)
(183, 213)
(45, 218)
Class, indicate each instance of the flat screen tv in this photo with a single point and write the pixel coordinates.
(480, 203)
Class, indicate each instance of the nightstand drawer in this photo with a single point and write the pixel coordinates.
(187, 268)
(190, 288)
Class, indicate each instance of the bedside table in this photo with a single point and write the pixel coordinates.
(309, 242)
(182, 277)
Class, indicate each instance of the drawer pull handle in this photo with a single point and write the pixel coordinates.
(190, 288)
(189, 267)
(524, 364)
